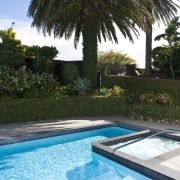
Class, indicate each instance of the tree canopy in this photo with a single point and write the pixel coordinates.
(167, 57)
(14, 54)
(41, 57)
(63, 18)
(11, 49)
(93, 19)
(163, 11)
(113, 62)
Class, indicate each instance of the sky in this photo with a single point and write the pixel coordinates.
(16, 11)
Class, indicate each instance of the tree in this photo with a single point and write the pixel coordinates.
(11, 49)
(169, 54)
(93, 19)
(113, 63)
(41, 57)
(161, 59)
(163, 10)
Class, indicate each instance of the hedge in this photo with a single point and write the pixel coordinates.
(25, 110)
(139, 85)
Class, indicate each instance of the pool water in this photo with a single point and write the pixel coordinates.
(67, 157)
(149, 147)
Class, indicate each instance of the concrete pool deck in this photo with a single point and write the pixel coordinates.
(9, 131)
(20, 129)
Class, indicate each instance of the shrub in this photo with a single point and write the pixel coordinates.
(117, 91)
(22, 83)
(13, 82)
(104, 91)
(138, 86)
(63, 91)
(132, 99)
(42, 85)
(70, 72)
(151, 98)
(163, 98)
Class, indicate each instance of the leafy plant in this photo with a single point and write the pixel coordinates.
(149, 98)
(81, 85)
(104, 91)
(23, 83)
(163, 98)
(63, 91)
(117, 91)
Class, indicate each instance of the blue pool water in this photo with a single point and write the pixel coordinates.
(149, 147)
(67, 157)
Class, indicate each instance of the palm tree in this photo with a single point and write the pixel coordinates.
(164, 10)
(172, 36)
(93, 19)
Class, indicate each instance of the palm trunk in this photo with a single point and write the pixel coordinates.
(148, 59)
(90, 53)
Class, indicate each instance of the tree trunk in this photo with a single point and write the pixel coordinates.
(90, 52)
(171, 67)
(148, 59)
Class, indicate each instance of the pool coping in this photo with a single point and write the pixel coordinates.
(46, 134)
(152, 168)
(41, 135)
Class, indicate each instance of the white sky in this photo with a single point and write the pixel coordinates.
(30, 36)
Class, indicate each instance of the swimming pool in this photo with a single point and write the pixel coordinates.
(63, 157)
(148, 148)
(163, 164)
